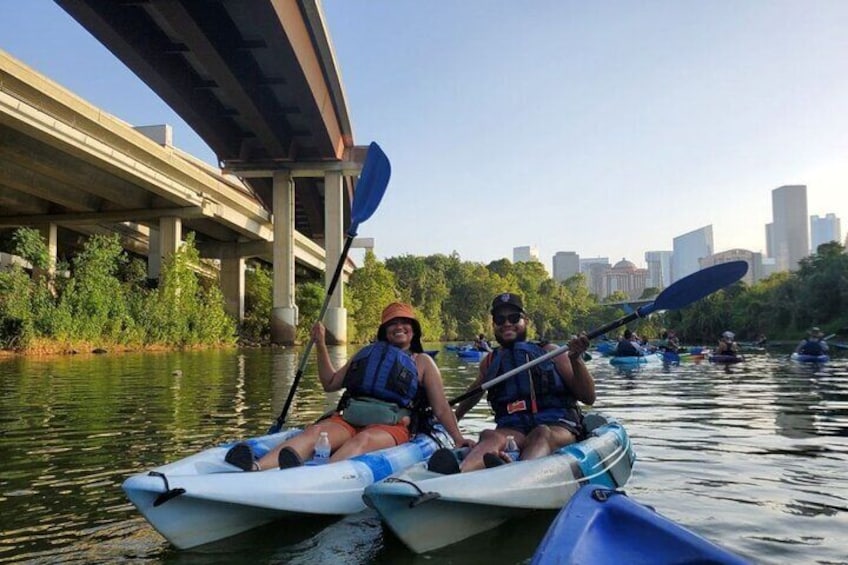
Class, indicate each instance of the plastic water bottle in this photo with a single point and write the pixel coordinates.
(511, 448)
(321, 454)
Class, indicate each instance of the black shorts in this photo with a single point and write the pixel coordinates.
(571, 419)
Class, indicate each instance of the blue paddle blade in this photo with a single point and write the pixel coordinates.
(370, 188)
(696, 286)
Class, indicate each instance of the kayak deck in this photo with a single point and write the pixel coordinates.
(201, 498)
(603, 526)
(427, 510)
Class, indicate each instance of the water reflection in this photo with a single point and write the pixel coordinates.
(753, 457)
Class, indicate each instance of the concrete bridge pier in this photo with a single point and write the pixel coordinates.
(336, 317)
(162, 243)
(283, 309)
(50, 233)
(232, 281)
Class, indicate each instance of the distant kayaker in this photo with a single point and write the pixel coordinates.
(383, 383)
(628, 345)
(482, 344)
(537, 407)
(669, 341)
(813, 344)
(727, 345)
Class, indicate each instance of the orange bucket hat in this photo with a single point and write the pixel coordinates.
(401, 310)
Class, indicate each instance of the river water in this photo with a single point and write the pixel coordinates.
(753, 456)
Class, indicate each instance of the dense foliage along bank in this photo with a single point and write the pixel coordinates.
(105, 300)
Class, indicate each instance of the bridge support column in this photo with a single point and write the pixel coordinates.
(49, 232)
(284, 309)
(232, 281)
(162, 243)
(154, 256)
(336, 318)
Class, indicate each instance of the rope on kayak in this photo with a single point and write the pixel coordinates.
(169, 492)
(422, 496)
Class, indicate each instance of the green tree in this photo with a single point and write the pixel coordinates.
(372, 287)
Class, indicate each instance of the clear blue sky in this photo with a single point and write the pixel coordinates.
(605, 128)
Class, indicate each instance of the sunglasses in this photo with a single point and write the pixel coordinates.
(501, 319)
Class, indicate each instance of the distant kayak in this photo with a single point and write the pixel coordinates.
(633, 360)
(726, 359)
(801, 358)
(603, 526)
(471, 354)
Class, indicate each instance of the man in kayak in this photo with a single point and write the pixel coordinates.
(813, 344)
(629, 346)
(726, 345)
(669, 341)
(537, 407)
(383, 383)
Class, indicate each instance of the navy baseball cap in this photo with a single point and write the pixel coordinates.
(507, 299)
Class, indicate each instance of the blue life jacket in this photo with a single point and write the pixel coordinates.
(541, 381)
(811, 347)
(384, 372)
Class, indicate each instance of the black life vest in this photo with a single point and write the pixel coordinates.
(384, 372)
(541, 383)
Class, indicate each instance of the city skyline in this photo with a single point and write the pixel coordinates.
(651, 121)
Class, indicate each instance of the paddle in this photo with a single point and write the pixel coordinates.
(370, 188)
(681, 293)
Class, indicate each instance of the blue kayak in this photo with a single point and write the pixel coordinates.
(471, 354)
(633, 360)
(603, 526)
(801, 358)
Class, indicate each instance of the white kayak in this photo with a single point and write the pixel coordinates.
(202, 498)
(428, 510)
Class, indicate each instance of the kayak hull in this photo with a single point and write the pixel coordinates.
(605, 527)
(726, 359)
(471, 354)
(428, 510)
(632, 360)
(201, 498)
(801, 358)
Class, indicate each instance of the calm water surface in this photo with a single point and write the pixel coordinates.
(754, 457)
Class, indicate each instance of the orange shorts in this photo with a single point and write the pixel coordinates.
(399, 432)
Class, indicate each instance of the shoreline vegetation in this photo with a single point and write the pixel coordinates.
(103, 302)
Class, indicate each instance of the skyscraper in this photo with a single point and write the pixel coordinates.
(824, 230)
(790, 236)
(566, 264)
(525, 253)
(688, 249)
(659, 268)
(594, 268)
(769, 240)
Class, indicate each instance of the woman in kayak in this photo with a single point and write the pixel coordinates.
(537, 407)
(383, 382)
